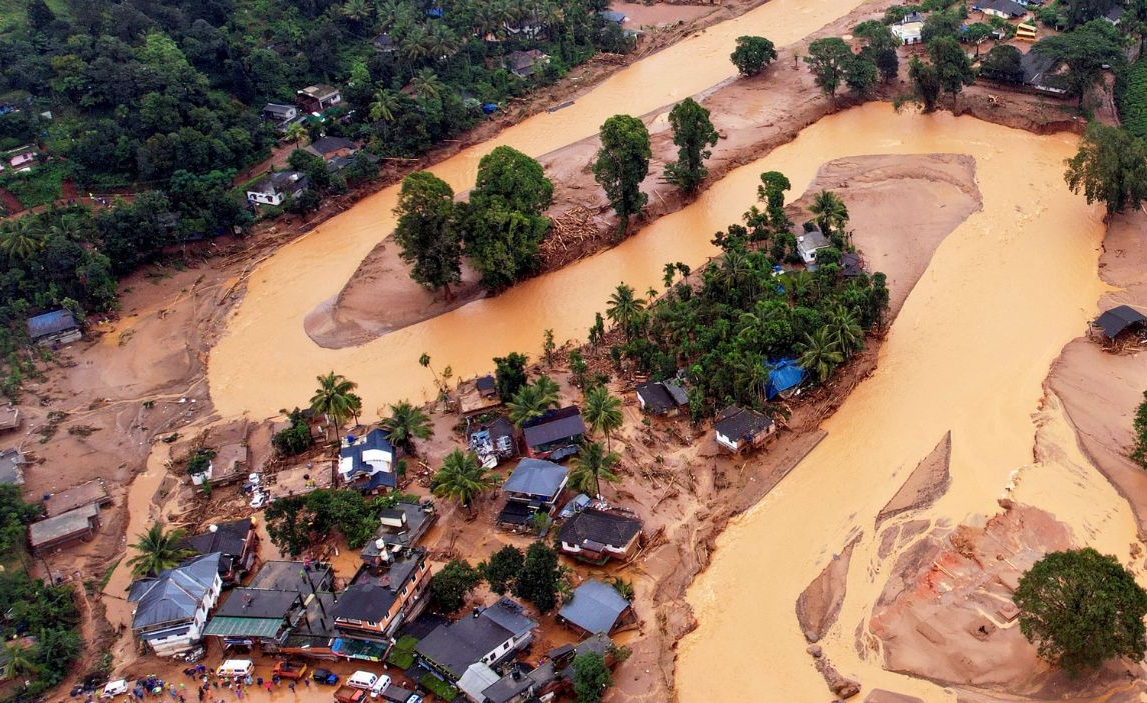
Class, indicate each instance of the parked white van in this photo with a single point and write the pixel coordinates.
(114, 688)
(362, 679)
(379, 686)
(236, 667)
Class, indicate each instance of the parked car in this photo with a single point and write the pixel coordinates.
(114, 688)
(325, 676)
(258, 499)
(362, 679)
(290, 670)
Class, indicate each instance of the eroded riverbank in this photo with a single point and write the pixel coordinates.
(967, 354)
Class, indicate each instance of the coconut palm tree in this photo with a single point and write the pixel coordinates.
(426, 84)
(461, 478)
(296, 132)
(385, 104)
(20, 239)
(844, 330)
(17, 660)
(603, 412)
(830, 211)
(158, 551)
(533, 400)
(820, 355)
(625, 309)
(592, 465)
(336, 400)
(407, 423)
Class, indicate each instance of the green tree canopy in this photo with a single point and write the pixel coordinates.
(752, 55)
(828, 58)
(592, 465)
(953, 67)
(692, 133)
(539, 578)
(603, 412)
(406, 423)
(925, 83)
(591, 677)
(157, 550)
(462, 478)
(880, 46)
(335, 398)
(626, 310)
(426, 231)
(533, 400)
(510, 374)
(502, 223)
(502, 568)
(449, 586)
(1084, 51)
(296, 523)
(1081, 608)
(622, 164)
(1003, 63)
(1110, 167)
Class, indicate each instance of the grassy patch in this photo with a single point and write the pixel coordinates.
(41, 186)
(439, 687)
(402, 653)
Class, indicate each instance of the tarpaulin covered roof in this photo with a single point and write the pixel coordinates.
(783, 376)
(1116, 320)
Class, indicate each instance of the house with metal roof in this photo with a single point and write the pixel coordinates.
(276, 187)
(1006, 9)
(367, 462)
(1118, 320)
(490, 636)
(55, 327)
(809, 243)
(380, 599)
(554, 434)
(87, 493)
(171, 609)
(737, 428)
(236, 541)
(252, 616)
(65, 528)
(533, 487)
(327, 148)
(316, 98)
(596, 536)
(595, 607)
(12, 467)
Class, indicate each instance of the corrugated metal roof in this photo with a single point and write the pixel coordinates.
(224, 626)
(50, 323)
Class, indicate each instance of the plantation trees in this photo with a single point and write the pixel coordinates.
(426, 233)
(1081, 608)
(692, 133)
(622, 164)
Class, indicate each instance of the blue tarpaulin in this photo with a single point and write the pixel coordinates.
(784, 375)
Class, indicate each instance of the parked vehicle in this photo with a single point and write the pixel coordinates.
(236, 667)
(398, 694)
(350, 694)
(380, 685)
(114, 688)
(259, 499)
(362, 679)
(290, 669)
(325, 676)
(192, 655)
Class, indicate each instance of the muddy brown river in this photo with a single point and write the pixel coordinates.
(968, 353)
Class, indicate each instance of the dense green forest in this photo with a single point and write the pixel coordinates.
(162, 101)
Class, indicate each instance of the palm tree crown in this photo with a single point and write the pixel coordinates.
(592, 464)
(603, 412)
(626, 309)
(461, 478)
(820, 356)
(335, 399)
(533, 400)
(407, 423)
(831, 213)
(18, 660)
(21, 239)
(158, 551)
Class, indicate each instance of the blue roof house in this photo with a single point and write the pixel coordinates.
(171, 609)
(368, 461)
(55, 327)
(784, 379)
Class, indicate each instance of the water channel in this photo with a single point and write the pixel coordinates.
(968, 352)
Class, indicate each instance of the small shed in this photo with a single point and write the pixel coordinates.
(89, 493)
(737, 428)
(1119, 320)
(55, 327)
(11, 467)
(78, 524)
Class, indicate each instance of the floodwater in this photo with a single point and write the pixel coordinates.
(967, 353)
(266, 361)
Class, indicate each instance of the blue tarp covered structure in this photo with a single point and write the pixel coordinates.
(784, 375)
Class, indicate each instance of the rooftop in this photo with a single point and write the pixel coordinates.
(536, 477)
(9, 417)
(600, 527)
(318, 92)
(455, 647)
(292, 576)
(741, 423)
(565, 423)
(594, 607)
(258, 603)
(415, 521)
(229, 538)
(1118, 319)
(175, 594)
(76, 497)
(50, 323)
(655, 397)
(329, 145)
(11, 471)
(62, 527)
